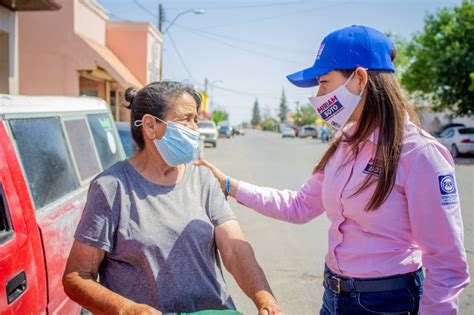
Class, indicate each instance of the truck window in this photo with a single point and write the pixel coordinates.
(45, 158)
(5, 223)
(104, 137)
(82, 148)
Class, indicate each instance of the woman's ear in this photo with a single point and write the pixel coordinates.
(148, 123)
(362, 77)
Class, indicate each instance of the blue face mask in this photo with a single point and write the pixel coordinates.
(179, 144)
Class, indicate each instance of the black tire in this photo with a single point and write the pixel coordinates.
(214, 144)
(454, 151)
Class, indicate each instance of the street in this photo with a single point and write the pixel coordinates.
(292, 256)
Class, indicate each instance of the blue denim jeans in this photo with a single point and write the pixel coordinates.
(403, 301)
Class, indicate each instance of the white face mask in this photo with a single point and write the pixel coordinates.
(337, 106)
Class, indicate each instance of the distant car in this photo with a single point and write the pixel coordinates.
(125, 134)
(308, 131)
(208, 129)
(238, 131)
(458, 140)
(438, 133)
(288, 132)
(225, 131)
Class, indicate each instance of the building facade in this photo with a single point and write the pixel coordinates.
(79, 51)
(9, 63)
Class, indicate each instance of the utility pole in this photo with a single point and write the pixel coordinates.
(161, 19)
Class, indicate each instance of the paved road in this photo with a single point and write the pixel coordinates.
(293, 255)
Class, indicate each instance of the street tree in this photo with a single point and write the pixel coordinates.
(402, 60)
(256, 118)
(268, 125)
(283, 107)
(219, 115)
(304, 115)
(441, 60)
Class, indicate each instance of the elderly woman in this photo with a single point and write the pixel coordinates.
(153, 224)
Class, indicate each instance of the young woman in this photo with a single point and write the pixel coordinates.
(387, 187)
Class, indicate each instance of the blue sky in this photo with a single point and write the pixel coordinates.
(248, 47)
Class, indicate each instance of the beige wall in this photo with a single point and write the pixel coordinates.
(9, 71)
(4, 63)
(54, 51)
(128, 41)
(153, 57)
(138, 46)
(90, 20)
(48, 36)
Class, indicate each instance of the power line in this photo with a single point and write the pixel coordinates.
(239, 92)
(145, 9)
(181, 58)
(254, 6)
(118, 17)
(245, 49)
(265, 45)
(275, 16)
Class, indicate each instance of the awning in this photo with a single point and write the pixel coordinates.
(106, 59)
(31, 5)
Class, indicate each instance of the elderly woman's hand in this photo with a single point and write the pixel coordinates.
(139, 309)
(217, 172)
(273, 309)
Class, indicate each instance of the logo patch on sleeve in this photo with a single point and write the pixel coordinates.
(447, 185)
(447, 188)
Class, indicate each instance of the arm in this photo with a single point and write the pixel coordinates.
(239, 259)
(80, 284)
(296, 207)
(436, 223)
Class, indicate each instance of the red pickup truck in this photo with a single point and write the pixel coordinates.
(50, 149)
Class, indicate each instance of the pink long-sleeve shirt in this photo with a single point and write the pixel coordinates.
(419, 224)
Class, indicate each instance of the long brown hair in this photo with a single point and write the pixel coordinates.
(385, 108)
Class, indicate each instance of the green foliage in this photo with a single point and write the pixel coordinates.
(402, 60)
(305, 115)
(268, 125)
(219, 115)
(245, 124)
(256, 118)
(441, 59)
(283, 107)
(471, 88)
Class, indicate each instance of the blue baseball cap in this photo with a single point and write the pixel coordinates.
(345, 49)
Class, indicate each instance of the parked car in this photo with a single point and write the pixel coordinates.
(237, 130)
(50, 149)
(208, 129)
(129, 146)
(438, 133)
(308, 131)
(458, 140)
(288, 132)
(225, 131)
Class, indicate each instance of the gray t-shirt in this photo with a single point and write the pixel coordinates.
(159, 240)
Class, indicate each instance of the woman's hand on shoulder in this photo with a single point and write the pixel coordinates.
(218, 174)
